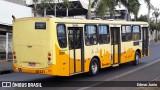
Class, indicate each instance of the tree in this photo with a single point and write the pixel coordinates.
(109, 5)
(45, 5)
(67, 5)
(152, 25)
(134, 7)
(150, 6)
(126, 4)
(106, 5)
(35, 7)
(101, 9)
(91, 4)
(156, 13)
(149, 9)
(143, 18)
(89, 10)
(53, 5)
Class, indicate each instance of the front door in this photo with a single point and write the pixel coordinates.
(145, 41)
(76, 51)
(116, 50)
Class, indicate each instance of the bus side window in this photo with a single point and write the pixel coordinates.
(61, 35)
(90, 35)
(126, 33)
(104, 37)
(136, 33)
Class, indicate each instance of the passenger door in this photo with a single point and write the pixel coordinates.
(115, 42)
(76, 49)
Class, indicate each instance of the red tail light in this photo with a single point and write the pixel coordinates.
(49, 58)
(14, 57)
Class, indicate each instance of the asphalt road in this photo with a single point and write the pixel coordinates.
(147, 70)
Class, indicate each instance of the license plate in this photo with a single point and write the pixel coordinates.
(32, 64)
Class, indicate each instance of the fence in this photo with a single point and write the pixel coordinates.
(6, 46)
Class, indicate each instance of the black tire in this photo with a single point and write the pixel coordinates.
(93, 67)
(136, 59)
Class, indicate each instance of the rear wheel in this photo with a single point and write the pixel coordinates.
(136, 60)
(94, 67)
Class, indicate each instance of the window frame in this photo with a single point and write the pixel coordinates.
(108, 29)
(65, 35)
(95, 34)
(138, 33)
(126, 33)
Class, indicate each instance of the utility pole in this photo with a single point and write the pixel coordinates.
(7, 46)
(149, 8)
(55, 9)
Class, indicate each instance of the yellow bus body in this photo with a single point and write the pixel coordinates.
(31, 47)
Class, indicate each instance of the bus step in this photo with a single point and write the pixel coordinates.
(115, 65)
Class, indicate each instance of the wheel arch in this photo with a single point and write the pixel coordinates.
(138, 50)
(98, 60)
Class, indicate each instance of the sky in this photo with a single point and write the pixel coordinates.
(143, 8)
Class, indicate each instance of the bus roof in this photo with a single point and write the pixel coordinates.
(84, 21)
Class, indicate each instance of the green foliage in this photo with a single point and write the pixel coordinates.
(66, 3)
(143, 18)
(101, 9)
(152, 26)
(156, 13)
(109, 5)
(106, 5)
(35, 1)
(45, 3)
(134, 7)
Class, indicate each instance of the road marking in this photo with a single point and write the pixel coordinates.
(156, 78)
(110, 79)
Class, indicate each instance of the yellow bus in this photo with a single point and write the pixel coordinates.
(65, 47)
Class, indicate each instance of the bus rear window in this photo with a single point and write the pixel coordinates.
(40, 25)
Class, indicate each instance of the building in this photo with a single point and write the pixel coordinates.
(8, 8)
(21, 2)
(77, 8)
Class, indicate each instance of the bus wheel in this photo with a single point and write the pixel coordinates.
(94, 67)
(136, 60)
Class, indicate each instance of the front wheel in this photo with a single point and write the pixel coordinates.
(94, 67)
(136, 60)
